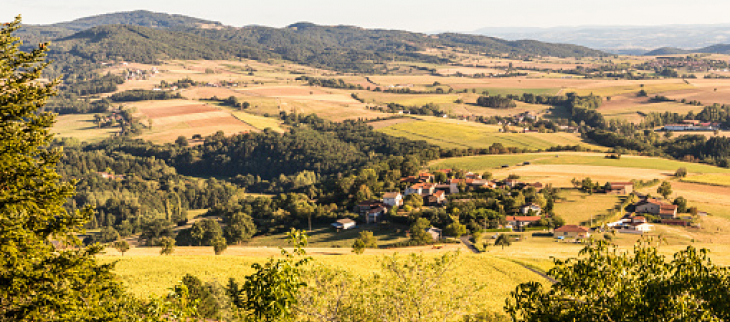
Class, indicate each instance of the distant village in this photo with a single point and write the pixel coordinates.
(639, 220)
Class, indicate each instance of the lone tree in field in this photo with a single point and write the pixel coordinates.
(681, 172)
(608, 284)
(121, 246)
(41, 281)
(358, 247)
(665, 189)
(219, 245)
(368, 239)
(167, 244)
(503, 240)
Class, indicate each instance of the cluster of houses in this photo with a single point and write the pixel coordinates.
(692, 125)
(138, 74)
(434, 194)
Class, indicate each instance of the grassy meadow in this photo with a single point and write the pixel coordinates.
(463, 134)
(480, 163)
(154, 274)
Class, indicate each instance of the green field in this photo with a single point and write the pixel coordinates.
(579, 208)
(325, 236)
(710, 179)
(259, 122)
(82, 127)
(486, 162)
(473, 135)
(146, 275)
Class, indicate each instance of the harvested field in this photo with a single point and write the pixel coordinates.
(160, 112)
(706, 95)
(386, 123)
(283, 91)
(214, 121)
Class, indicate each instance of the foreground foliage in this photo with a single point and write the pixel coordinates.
(610, 285)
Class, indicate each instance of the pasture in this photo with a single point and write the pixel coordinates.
(579, 208)
(480, 163)
(82, 127)
(154, 274)
(710, 179)
(464, 134)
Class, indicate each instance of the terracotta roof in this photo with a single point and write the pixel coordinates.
(423, 186)
(573, 229)
(619, 185)
(523, 218)
(391, 195)
(438, 193)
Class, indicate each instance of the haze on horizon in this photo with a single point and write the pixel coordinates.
(420, 16)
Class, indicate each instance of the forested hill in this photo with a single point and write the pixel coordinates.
(714, 49)
(148, 45)
(138, 18)
(343, 48)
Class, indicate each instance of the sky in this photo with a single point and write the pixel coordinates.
(420, 16)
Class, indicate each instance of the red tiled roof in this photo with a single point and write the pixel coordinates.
(423, 186)
(572, 229)
(523, 218)
(391, 195)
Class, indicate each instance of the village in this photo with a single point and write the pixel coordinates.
(639, 212)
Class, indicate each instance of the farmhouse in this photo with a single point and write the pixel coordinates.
(531, 207)
(421, 188)
(344, 224)
(435, 233)
(573, 231)
(620, 188)
(375, 215)
(434, 199)
(450, 188)
(393, 199)
(656, 207)
(632, 224)
(519, 222)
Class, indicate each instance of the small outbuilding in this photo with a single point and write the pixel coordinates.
(344, 224)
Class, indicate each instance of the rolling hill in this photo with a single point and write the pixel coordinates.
(714, 49)
(344, 48)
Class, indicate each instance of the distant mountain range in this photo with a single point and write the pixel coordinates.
(635, 40)
(148, 36)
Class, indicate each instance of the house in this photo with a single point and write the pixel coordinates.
(620, 188)
(471, 175)
(421, 188)
(519, 222)
(656, 207)
(536, 209)
(411, 179)
(450, 188)
(375, 215)
(426, 177)
(572, 231)
(393, 199)
(364, 207)
(537, 185)
(632, 224)
(511, 183)
(434, 199)
(344, 224)
(435, 233)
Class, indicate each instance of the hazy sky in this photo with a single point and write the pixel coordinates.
(424, 16)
